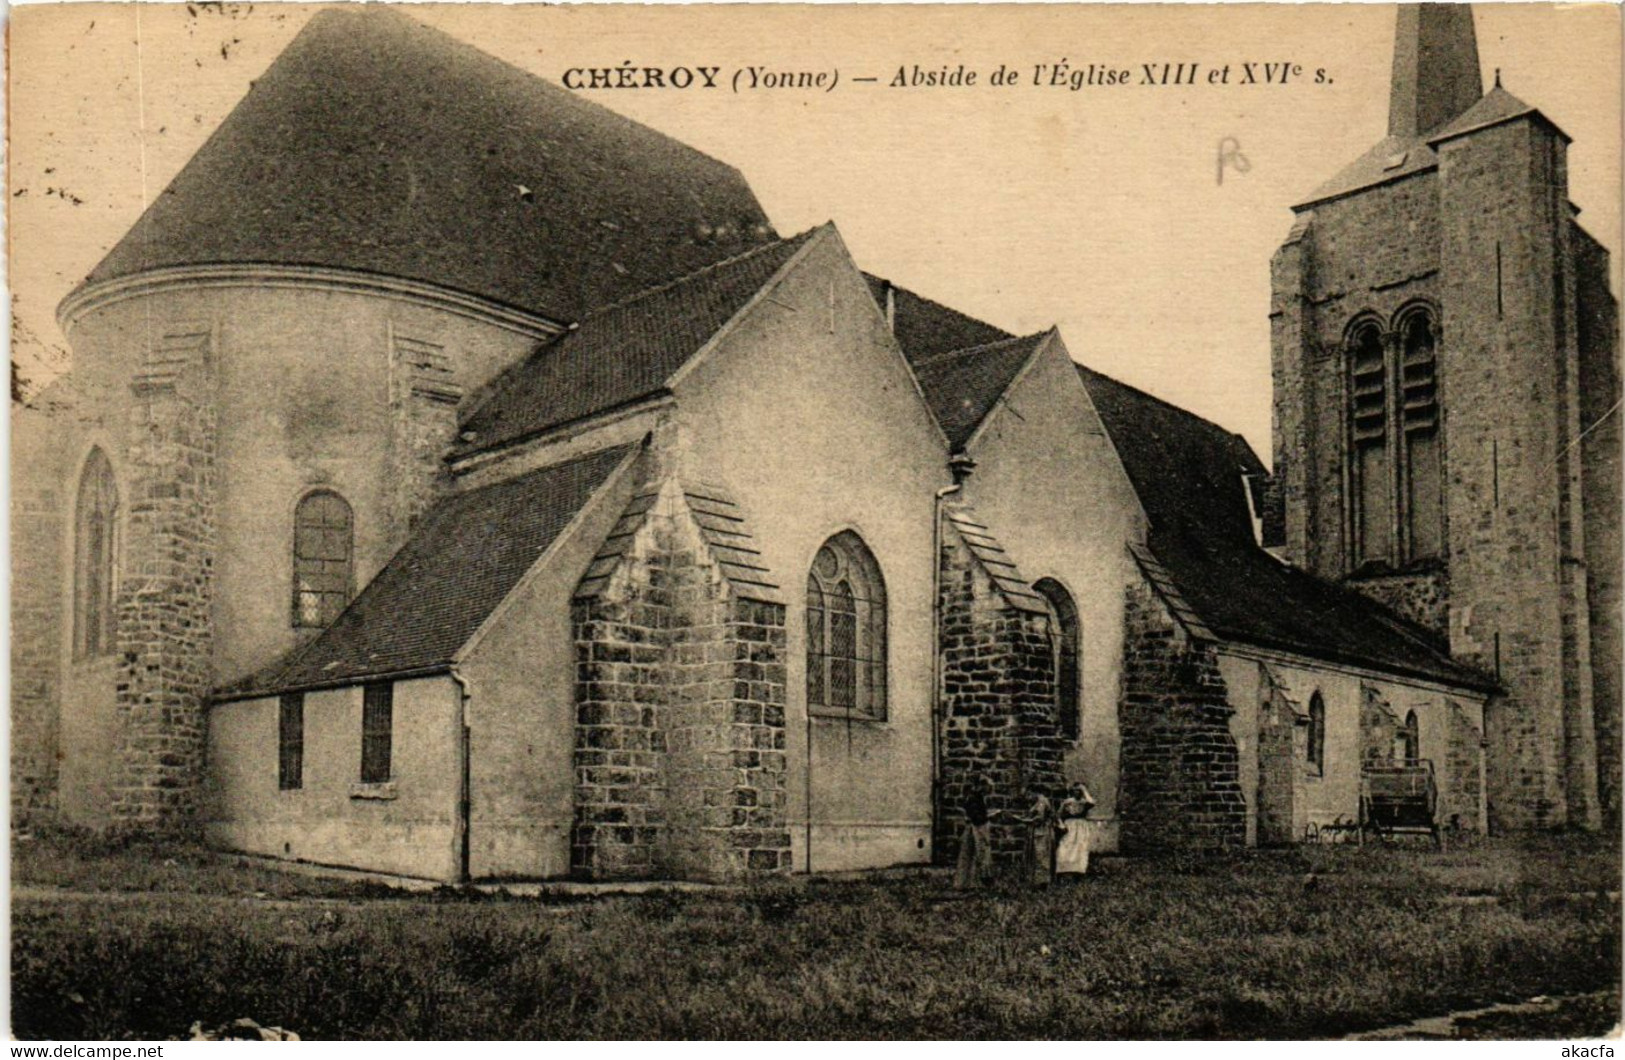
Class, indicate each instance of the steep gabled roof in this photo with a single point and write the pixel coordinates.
(378, 144)
(963, 386)
(1497, 106)
(622, 353)
(1188, 473)
(463, 559)
(924, 328)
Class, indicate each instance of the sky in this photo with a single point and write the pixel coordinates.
(1099, 210)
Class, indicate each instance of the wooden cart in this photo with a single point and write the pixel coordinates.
(1399, 798)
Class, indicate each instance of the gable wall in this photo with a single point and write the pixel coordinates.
(1049, 484)
(806, 411)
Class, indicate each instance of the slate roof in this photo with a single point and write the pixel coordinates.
(963, 386)
(1497, 106)
(376, 143)
(1188, 473)
(464, 558)
(622, 353)
(924, 328)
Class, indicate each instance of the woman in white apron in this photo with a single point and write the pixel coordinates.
(1072, 856)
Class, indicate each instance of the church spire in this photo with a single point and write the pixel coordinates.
(1436, 73)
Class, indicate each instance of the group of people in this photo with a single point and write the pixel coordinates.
(1057, 836)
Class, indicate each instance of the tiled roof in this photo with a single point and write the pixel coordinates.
(378, 144)
(1007, 578)
(1188, 473)
(622, 353)
(1497, 106)
(463, 559)
(962, 386)
(722, 527)
(924, 328)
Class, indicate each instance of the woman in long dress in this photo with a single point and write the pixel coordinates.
(1040, 822)
(1072, 856)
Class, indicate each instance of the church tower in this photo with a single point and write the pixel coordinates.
(1446, 373)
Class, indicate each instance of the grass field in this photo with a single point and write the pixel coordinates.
(1318, 942)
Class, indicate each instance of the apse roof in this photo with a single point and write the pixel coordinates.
(378, 144)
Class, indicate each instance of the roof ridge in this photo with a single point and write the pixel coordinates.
(678, 281)
(961, 351)
(930, 301)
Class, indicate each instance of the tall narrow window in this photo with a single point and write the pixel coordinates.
(846, 630)
(1419, 395)
(290, 770)
(1372, 484)
(95, 558)
(323, 568)
(1317, 733)
(1410, 739)
(377, 732)
(1065, 638)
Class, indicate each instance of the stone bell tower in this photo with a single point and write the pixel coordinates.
(1445, 370)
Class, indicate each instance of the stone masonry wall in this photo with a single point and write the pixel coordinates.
(164, 631)
(1379, 727)
(1424, 597)
(680, 762)
(998, 701)
(1281, 809)
(1181, 785)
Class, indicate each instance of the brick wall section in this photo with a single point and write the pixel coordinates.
(423, 413)
(1181, 785)
(1424, 598)
(680, 761)
(1462, 791)
(998, 689)
(37, 534)
(164, 629)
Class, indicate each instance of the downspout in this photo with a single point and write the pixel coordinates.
(960, 466)
(460, 839)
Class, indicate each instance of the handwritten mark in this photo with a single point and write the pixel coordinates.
(1230, 155)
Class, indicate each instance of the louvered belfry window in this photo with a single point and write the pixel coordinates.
(1372, 485)
(323, 559)
(846, 631)
(1419, 394)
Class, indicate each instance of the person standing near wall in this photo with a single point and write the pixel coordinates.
(1041, 823)
(1072, 856)
(975, 867)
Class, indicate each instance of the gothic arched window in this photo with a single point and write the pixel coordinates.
(1372, 482)
(846, 630)
(1066, 638)
(95, 560)
(1317, 733)
(323, 559)
(1419, 403)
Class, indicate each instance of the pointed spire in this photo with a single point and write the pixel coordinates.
(1436, 74)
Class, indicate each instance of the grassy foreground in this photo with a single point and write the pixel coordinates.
(1309, 943)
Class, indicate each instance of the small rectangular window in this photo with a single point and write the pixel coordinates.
(377, 725)
(291, 742)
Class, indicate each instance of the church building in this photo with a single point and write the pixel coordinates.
(457, 479)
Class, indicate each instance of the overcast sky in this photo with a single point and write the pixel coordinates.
(1098, 210)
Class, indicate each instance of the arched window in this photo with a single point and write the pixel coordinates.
(1410, 739)
(95, 560)
(846, 630)
(1317, 733)
(1372, 482)
(323, 565)
(1419, 399)
(1063, 615)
